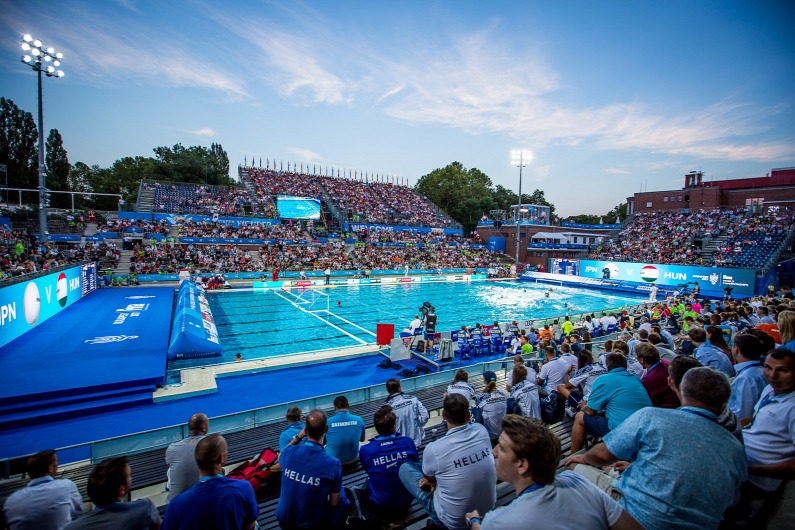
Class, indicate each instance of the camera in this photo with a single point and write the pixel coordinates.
(424, 308)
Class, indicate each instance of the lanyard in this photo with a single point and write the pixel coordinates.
(770, 398)
(531, 488)
(210, 477)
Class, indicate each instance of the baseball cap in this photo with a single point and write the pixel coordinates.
(489, 376)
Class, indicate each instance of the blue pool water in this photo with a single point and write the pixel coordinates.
(264, 323)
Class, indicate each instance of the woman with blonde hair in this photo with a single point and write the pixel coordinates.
(786, 328)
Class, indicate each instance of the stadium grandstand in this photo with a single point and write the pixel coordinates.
(134, 363)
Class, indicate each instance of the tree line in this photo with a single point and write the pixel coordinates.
(467, 195)
(19, 152)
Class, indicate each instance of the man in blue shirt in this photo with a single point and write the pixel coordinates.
(660, 487)
(381, 460)
(45, 502)
(750, 380)
(345, 431)
(294, 426)
(619, 393)
(708, 354)
(215, 501)
(311, 479)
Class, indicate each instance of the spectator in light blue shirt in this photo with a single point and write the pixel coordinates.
(345, 431)
(294, 426)
(661, 485)
(708, 354)
(619, 393)
(750, 380)
(45, 503)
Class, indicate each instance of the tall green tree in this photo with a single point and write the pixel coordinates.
(465, 194)
(80, 180)
(223, 159)
(619, 212)
(18, 148)
(58, 167)
(193, 164)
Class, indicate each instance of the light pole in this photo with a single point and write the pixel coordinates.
(520, 158)
(46, 61)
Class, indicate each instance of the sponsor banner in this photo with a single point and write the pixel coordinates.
(175, 218)
(709, 278)
(357, 227)
(70, 238)
(23, 306)
(557, 245)
(221, 240)
(591, 227)
(108, 235)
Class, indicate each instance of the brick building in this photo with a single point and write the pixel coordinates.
(775, 189)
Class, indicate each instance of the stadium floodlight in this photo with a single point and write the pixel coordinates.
(41, 55)
(520, 158)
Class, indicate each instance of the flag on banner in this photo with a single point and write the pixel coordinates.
(281, 164)
(260, 162)
(267, 163)
(245, 161)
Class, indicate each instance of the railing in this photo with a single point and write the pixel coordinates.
(248, 419)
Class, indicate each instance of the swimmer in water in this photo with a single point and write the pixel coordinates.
(339, 303)
(546, 295)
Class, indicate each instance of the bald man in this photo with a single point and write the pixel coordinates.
(182, 469)
(311, 479)
(215, 501)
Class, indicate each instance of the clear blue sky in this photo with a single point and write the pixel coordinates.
(610, 96)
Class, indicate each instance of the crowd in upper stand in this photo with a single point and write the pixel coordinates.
(383, 203)
(667, 237)
(199, 199)
(143, 226)
(241, 231)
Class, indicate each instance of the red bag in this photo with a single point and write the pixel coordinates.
(256, 472)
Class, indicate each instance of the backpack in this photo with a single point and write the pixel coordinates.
(512, 406)
(256, 472)
(552, 408)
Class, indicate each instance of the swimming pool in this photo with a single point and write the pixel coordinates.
(266, 323)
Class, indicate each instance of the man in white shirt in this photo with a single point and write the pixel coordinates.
(457, 472)
(527, 457)
(415, 324)
(554, 370)
(411, 413)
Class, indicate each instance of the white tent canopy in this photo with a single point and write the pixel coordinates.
(550, 235)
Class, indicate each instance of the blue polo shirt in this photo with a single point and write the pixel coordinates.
(619, 393)
(345, 431)
(710, 355)
(672, 483)
(213, 502)
(381, 460)
(309, 475)
(289, 433)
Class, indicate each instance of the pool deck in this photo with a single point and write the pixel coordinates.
(202, 379)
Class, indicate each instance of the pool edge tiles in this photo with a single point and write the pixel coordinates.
(201, 380)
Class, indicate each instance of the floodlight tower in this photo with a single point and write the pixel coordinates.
(44, 61)
(520, 158)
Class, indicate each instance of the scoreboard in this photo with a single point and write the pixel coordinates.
(565, 266)
(88, 277)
